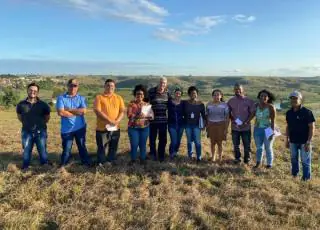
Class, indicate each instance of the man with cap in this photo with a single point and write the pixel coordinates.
(299, 132)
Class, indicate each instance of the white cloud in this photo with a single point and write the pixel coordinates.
(244, 18)
(199, 25)
(139, 11)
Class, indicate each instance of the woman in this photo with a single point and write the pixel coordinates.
(265, 119)
(218, 119)
(175, 122)
(194, 117)
(139, 114)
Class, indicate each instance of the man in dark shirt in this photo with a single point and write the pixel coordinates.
(158, 98)
(34, 115)
(299, 132)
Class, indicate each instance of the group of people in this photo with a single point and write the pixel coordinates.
(154, 112)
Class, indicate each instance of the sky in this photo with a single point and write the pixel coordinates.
(160, 37)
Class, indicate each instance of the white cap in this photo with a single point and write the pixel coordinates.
(296, 94)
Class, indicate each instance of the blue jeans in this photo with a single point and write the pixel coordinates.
(175, 132)
(29, 138)
(295, 149)
(67, 142)
(246, 140)
(193, 133)
(261, 141)
(138, 138)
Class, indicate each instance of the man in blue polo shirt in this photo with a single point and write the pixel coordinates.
(71, 107)
(299, 132)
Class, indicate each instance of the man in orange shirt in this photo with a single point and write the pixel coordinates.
(109, 108)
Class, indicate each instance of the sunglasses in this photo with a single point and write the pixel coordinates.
(73, 85)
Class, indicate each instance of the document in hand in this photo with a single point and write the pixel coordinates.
(269, 132)
(146, 110)
(238, 122)
(111, 127)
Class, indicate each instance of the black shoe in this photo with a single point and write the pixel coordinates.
(257, 165)
(132, 162)
(143, 162)
(237, 161)
(269, 166)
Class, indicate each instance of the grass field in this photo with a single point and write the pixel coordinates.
(170, 195)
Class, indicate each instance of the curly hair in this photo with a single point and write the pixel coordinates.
(192, 88)
(142, 88)
(271, 96)
(218, 90)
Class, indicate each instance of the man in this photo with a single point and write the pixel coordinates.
(71, 107)
(158, 98)
(299, 132)
(109, 108)
(34, 115)
(241, 113)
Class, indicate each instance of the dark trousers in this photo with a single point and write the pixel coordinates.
(156, 129)
(246, 141)
(107, 143)
(67, 142)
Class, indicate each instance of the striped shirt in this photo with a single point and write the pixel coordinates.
(159, 102)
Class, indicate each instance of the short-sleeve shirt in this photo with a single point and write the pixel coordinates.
(135, 109)
(298, 124)
(241, 108)
(74, 123)
(33, 114)
(217, 112)
(111, 105)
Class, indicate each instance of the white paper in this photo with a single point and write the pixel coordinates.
(192, 115)
(111, 127)
(238, 122)
(269, 132)
(146, 110)
(277, 132)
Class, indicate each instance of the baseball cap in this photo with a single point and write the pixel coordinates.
(296, 94)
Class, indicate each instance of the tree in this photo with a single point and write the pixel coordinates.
(10, 98)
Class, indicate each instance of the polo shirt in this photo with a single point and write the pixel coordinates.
(74, 123)
(298, 124)
(111, 105)
(33, 114)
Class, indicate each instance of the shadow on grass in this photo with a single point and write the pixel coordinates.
(181, 166)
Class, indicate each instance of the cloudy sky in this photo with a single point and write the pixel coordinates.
(198, 37)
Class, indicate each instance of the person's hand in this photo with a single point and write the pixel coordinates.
(141, 116)
(307, 147)
(271, 137)
(287, 143)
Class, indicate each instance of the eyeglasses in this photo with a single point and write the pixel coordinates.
(73, 85)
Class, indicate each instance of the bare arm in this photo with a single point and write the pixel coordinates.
(78, 112)
(120, 116)
(19, 117)
(272, 116)
(311, 131)
(47, 118)
(64, 113)
(101, 114)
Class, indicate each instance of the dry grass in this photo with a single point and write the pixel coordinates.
(178, 195)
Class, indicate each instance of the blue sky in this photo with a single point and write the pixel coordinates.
(171, 37)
